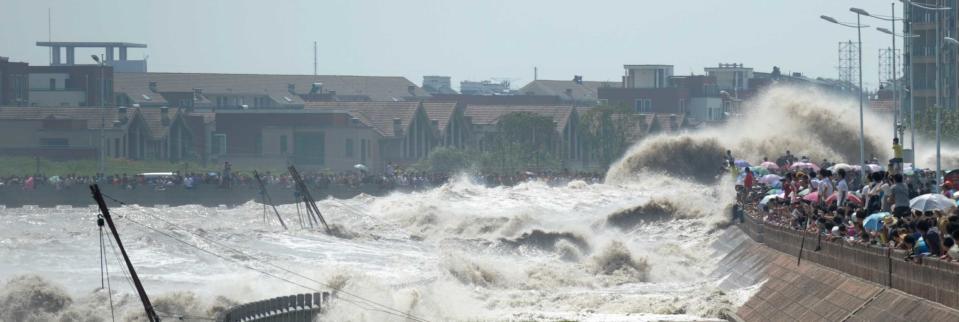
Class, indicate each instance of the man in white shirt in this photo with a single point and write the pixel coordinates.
(825, 187)
(842, 188)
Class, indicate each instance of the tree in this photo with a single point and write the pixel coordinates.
(604, 132)
(522, 140)
(446, 160)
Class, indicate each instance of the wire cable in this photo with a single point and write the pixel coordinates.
(365, 306)
(384, 309)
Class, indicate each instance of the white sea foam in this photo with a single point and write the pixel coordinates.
(457, 252)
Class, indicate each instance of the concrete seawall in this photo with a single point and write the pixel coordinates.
(840, 282)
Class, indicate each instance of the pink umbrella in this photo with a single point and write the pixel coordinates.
(849, 197)
(771, 166)
(804, 165)
(812, 197)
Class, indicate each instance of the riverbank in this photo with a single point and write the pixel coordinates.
(840, 281)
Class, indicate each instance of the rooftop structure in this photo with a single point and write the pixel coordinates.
(121, 65)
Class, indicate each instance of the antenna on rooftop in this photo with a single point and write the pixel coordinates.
(535, 73)
(314, 61)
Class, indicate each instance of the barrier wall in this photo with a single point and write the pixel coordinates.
(293, 308)
(930, 278)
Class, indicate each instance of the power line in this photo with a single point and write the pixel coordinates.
(367, 305)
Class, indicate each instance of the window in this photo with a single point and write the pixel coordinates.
(219, 144)
(283, 146)
(54, 142)
(349, 148)
(116, 148)
(53, 84)
(682, 106)
(644, 105)
(603, 101)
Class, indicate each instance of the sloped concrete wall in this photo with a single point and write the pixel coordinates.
(807, 291)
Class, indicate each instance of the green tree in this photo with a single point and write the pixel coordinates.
(949, 127)
(446, 160)
(522, 141)
(604, 132)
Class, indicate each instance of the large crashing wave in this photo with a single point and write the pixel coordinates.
(805, 121)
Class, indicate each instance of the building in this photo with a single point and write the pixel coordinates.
(74, 133)
(438, 85)
(71, 85)
(485, 88)
(484, 120)
(121, 65)
(574, 92)
(647, 76)
(919, 55)
(732, 78)
(14, 88)
(255, 91)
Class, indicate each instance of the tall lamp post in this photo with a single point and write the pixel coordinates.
(938, 10)
(897, 113)
(100, 156)
(912, 111)
(862, 131)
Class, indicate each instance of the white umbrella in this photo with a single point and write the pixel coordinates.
(930, 202)
(838, 166)
(360, 167)
(770, 179)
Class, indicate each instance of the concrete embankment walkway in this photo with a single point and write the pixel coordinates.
(812, 292)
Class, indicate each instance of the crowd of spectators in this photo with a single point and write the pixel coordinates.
(389, 179)
(890, 208)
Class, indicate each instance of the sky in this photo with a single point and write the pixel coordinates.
(467, 40)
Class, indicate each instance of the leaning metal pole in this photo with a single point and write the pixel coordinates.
(105, 211)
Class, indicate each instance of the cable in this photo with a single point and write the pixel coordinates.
(370, 302)
(364, 306)
(113, 316)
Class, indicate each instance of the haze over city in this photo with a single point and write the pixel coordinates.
(468, 40)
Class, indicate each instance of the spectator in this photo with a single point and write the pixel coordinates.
(901, 196)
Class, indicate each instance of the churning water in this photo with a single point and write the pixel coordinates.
(635, 248)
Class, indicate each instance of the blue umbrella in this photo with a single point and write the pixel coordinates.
(873, 223)
(742, 163)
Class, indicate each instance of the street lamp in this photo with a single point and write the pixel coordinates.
(896, 115)
(912, 110)
(938, 106)
(862, 131)
(100, 155)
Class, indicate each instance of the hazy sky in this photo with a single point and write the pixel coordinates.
(475, 40)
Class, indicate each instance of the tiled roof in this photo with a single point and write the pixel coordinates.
(587, 91)
(441, 112)
(154, 120)
(490, 114)
(380, 115)
(377, 88)
(92, 115)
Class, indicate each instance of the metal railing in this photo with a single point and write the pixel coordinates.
(293, 308)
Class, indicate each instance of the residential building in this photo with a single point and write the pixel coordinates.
(14, 77)
(438, 85)
(574, 92)
(732, 78)
(647, 76)
(75, 133)
(255, 91)
(121, 65)
(71, 85)
(484, 120)
(919, 55)
(406, 131)
(485, 88)
(668, 100)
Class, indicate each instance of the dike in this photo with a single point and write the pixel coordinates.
(840, 282)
